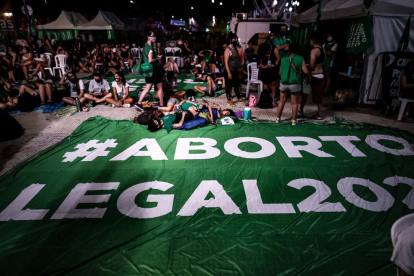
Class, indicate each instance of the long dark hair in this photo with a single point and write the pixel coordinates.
(76, 82)
(121, 75)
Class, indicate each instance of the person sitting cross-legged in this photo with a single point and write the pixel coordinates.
(98, 90)
(121, 92)
(76, 89)
(213, 86)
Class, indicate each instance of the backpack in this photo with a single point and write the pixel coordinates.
(265, 100)
(252, 101)
(27, 102)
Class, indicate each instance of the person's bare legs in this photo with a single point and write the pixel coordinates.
(69, 100)
(160, 93)
(42, 92)
(145, 92)
(200, 89)
(303, 101)
(26, 75)
(273, 87)
(294, 98)
(281, 105)
(168, 108)
(49, 91)
(29, 90)
(11, 76)
(176, 68)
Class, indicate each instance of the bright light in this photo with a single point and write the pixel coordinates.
(181, 19)
(295, 3)
(221, 3)
(290, 9)
(207, 30)
(172, 16)
(274, 2)
(132, 2)
(212, 1)
(192, 8)
(287, 4)
(8, 14)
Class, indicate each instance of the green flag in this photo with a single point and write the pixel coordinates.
(319, 10)
(63, 35)
(405, 38)
(359, 35)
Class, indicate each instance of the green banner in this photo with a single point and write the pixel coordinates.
(66, 35)
(245, 199)
(76, 33)
(40, 34)
(301, 35)
(111, 34)
(359, 36)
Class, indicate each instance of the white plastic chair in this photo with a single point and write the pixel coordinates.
(168, 50)
(60, 61)
(253, 78)
(49, 63)
(136, 54)
(404, 103)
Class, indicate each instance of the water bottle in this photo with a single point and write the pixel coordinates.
(269, 62)
(247, 113)
(349, 70)
(78, 105)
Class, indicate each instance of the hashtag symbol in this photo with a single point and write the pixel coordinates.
(98, 149)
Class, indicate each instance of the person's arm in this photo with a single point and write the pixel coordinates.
(305, 70)
(226, 62)
(150, 57)
(62, 80)
(312, 59)
(82, 89)
(115, 93)
(277, 54)
(14, 55)
(201, 53)
(404, 84)
(180, 124)
(183, 101)
(126, 93)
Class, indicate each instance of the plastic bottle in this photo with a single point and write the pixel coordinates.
(78, 105)
(350, 70)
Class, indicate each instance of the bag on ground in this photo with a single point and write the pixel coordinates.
(252, 101)
(265, 100)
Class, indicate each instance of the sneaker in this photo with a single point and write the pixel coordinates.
(113, 105)
(126, 105)
(49, 102)
(294, 123)
(139, 107)
(317, 117)
(241, 100)
(42, 103)
(300, 112)
(230, 102)
(192, 99)
(277, 121)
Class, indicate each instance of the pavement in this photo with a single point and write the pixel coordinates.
(44, 130)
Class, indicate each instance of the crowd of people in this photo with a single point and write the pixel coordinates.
(26, 71)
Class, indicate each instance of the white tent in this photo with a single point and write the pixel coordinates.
(389, 20)
(104, 21)
(64, 22)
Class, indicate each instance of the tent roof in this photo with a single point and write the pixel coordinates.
(342, 9)
(63, 22)
(104, 21)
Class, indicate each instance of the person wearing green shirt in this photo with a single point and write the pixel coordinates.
(290, 71)
(281, 41)
(150, 55)
(330, 48)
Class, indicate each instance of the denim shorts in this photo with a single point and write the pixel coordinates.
(292, 88)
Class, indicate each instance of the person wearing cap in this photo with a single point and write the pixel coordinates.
(98, 90)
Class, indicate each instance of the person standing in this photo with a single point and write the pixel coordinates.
(281, 41)
(330, 48)
(150, 55)
(317, 58)
(232, 69)
(290, 71)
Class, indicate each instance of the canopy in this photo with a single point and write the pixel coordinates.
(104, 21)
(66, 21)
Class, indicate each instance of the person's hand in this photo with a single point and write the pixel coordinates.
(229, 75)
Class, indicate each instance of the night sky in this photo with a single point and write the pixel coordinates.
(203, 9)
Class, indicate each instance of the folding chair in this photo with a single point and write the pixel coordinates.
(49, 63)
(61, 66)
(253, 78)
(136, 54)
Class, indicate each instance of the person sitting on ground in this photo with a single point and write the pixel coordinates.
(38, 88)
(76, 89)
(98, 90)
(205, 63)
(169, 121)
(41, 62)
(26, 62)
(199, 77)
(6, 68)
(120, 91)
(6, 102)
(213, 86)
(171, 66)
(125, 56)
(84, 65)
(290, 71)
(407, 82)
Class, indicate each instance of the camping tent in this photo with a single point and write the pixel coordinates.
(389, 20)
(66, 21)
(104, 21)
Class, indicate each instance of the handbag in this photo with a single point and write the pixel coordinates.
(146, 69)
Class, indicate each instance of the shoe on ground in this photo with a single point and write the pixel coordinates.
(49, 102)
(230, 102)
(317, 117)
(300, 112)
(277, 121)
(241, 100)
(42, 103)
(294, 122)
(85, 109)
(126, 105)
(113, 105)
(139, 107)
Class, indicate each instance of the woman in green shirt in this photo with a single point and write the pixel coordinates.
(290, 71)
(150, 54)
